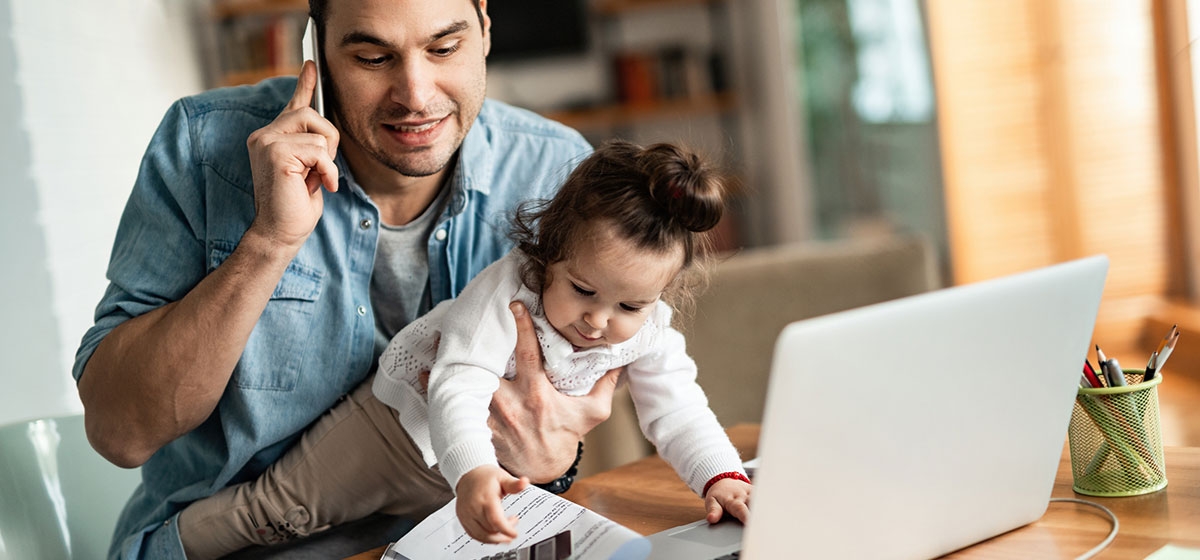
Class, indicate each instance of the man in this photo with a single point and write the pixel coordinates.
(266, 255)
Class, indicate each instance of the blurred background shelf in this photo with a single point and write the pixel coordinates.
(228, 9)
(250, 40)
(245, 77)
(629, 114)
(613, 7)
(642, 70)
(644, 83)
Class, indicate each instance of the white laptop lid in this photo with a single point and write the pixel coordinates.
(915, 427)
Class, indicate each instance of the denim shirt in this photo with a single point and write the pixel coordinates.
(314, 342)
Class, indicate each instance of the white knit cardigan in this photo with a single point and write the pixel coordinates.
(467, 345)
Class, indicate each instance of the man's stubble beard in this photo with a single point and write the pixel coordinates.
(348, 133)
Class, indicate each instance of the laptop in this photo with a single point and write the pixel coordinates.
(915, 427)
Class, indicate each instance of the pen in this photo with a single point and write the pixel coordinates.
(1113, 373)
(1089, 375)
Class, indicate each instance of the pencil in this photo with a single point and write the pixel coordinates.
(1166, 352)
(1163, 344)
(1151, 367)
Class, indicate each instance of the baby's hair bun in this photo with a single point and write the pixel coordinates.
(687, 188)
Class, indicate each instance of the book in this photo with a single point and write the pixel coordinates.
(637, 78)
(542, 516)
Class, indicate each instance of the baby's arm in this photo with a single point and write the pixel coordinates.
(479, 508)
(674, 415)
(474, 349)
(478, 334)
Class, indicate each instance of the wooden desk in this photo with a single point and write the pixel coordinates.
(647, 496)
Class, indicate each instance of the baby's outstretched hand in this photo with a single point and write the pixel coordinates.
(479, 508)
(730, 496)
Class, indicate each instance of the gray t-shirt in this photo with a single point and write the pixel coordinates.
(400, 282)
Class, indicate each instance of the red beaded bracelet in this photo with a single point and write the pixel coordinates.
(723, 476)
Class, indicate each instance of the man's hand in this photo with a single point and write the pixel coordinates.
(290, 159)
(159, 375)
(535, 428)
(479, 508)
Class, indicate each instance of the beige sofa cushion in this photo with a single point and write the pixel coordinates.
(751, 297)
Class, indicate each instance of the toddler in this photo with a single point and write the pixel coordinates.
(596, 267)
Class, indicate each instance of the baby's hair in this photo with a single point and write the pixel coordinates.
(659, 198)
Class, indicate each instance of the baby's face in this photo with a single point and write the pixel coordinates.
(605, 293)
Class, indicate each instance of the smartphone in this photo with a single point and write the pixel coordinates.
(311, 50)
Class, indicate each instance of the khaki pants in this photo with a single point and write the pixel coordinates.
(355, 460)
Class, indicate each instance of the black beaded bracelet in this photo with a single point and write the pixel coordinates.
(564, 482)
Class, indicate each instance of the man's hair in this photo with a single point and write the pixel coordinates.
(318, 10)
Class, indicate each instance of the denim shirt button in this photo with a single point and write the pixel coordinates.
(365, 223)
(440, 234)
(362, 310)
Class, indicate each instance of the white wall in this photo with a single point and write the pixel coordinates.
(83, 84)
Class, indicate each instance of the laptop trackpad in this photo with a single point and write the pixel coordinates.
(722, 535)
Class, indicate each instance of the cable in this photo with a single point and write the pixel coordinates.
(1116, 525)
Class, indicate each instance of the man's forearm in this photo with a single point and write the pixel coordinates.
(157, 376)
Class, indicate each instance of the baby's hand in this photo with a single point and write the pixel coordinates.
(728, 495)
(479, 509)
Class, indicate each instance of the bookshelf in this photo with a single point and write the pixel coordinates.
(664, 87)
(256, 39)
(228, 9)
(655, 83)
(620, 115)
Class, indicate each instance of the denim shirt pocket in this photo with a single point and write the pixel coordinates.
(275, 351)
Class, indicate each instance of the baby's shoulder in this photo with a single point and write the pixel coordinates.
(661, 316)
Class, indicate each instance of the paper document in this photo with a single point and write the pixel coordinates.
(542, 515)
(1173, 552)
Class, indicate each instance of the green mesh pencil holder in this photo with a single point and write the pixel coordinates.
(1116, 443)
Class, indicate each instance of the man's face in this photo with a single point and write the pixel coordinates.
(408, 77)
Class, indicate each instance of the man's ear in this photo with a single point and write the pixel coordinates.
(487, 28)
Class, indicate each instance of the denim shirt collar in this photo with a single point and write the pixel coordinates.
(474, 168)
